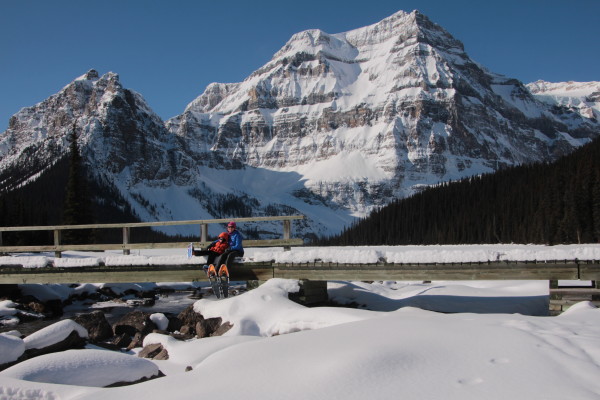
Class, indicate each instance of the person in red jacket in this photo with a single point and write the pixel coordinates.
(214, 250)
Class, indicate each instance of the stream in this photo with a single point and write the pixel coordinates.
(173, 302)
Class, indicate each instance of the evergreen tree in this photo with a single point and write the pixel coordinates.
(595, 193)
(77, 207)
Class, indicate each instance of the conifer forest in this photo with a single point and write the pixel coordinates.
(538, 203)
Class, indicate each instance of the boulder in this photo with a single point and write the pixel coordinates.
(181, 336)
(224, 327)
(174, 323)
(72, 341)
(187, 330)
(163, 355)
(189, 316)
(121, 341)
(133, 322)
(96, 324)
(50, 308)
(36, 307)
(189, 320)
(136, 341)
(54, 307)
(207, 327)
(151, 350)
(60, 336)
(27, 316)
(118, 384)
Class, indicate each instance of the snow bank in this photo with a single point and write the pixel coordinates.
(525, 297)
(54, 333)
(7, 308)
(348, 353)
(11, 348)
(194, 352)
(248, 316)
(160, 320)
(387, 349)
(83, 368)
(407, 353)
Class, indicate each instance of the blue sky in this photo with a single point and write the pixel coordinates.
(169, 51)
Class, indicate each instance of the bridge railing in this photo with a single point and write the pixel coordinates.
(58, 247)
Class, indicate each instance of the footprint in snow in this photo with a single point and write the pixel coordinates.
(469, 381)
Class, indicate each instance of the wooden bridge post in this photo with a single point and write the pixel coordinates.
(287, 232)
(311, 293)
(57, 254)
(204, 232)
(126, 234)
(561, 298)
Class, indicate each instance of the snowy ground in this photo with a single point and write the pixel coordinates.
(278, 349)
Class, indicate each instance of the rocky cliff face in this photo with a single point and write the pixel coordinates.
(332, 126)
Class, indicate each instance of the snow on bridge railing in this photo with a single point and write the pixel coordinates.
(126, 246)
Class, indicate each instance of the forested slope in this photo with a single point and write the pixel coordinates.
(537, 203)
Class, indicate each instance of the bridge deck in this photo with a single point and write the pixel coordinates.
(556, 270)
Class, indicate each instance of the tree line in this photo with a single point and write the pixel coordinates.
(541, 203)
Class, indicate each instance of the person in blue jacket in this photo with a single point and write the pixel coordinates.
(235, 249)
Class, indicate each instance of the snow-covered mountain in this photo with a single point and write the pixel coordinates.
(118, 133)
(367, 115)
(331, 127)
(581, 97)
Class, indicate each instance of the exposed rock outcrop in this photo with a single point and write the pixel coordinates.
(96, 324)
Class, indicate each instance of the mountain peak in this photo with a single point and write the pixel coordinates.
(91, 75)
(311, 41)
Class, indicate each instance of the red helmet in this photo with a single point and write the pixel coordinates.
(224, 235)
(231, 224)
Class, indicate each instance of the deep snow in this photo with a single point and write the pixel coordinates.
(278, 349)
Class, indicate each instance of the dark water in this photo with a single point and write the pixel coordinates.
(172, 303)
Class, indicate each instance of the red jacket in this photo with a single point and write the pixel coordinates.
(219, 246)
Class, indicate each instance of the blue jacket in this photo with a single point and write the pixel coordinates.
(235, 241)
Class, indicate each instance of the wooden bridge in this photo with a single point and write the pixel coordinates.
(261, 271)
(58, 247)
(313, 276)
